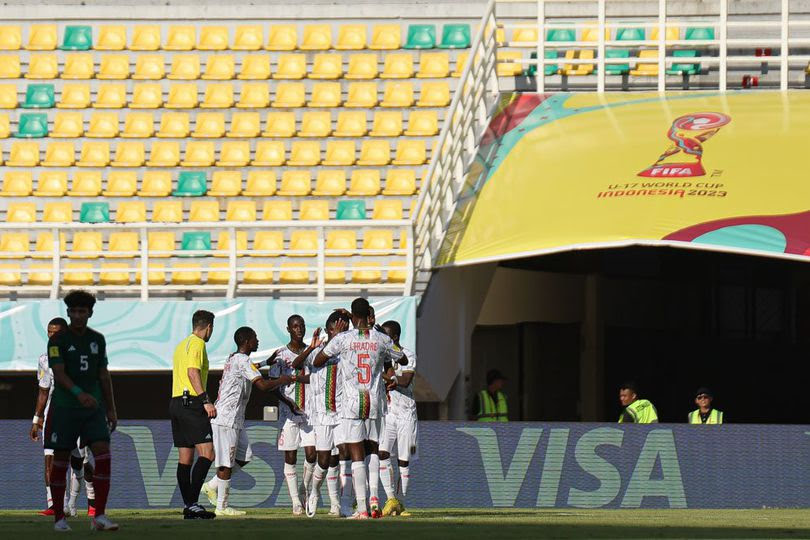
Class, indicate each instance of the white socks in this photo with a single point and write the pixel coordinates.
(308, 468)
(213, 483)
(292, 484)
(359, 481)
(404, 478)
(76, 477)
(223, 491)
(373, 478)
(48, 493)
(318, 474)
(346, 484)
(91, 491)
(387, 477)
(332, 484)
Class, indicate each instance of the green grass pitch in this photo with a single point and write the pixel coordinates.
(446, 524)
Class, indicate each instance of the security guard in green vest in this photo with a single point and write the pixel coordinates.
(636, 411)
(705, 413)
(490, 405)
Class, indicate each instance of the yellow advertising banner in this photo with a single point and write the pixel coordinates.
(557, 172)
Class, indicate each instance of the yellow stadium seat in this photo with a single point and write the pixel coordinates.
(225, 184)
(114, 96)
(67, 125)
(524, 36)
(578, 69)
(204, 211)
(114, 274)
(500, 36)
(145, 38)
(295, 184)
(339, 153)
(326, 66)
(220, 67)
(21, 212)
(156, 184)
(461, 61)
(255, 67)
(248, 37)
(351, 37)
(422, 124)
(234, 154)
(218, 96)
(277, 211)
(10, 38)
(269, 154)
(120, 183)
(400, 182)
(351, 124)
(303, 154)
(364, 183)
(254, 96)
(79, 66)
(164, 154)
(257, 274)
(167, 212)
(316, 124)
(387, 124)
(290, 95)
(671, 33)
(260, 184)
(330, 183)
(410, 152)
(374, 152)
(114, 66)
(40, 274)
(111, 38)
(213, 38)
(42, 66)
(150, 67)
(398, 66)
(130, 212)
(366, 272)
(59, 154)
(362, 94)
(146, 96)
(51, 184)
(85, 245)
(245, 124)
(293, 274)
(398, 94)
(183, 96)
(5, 128)
(341, 243)
(78, 274)
(434, 94)
(224, 243)
(42, 37)
(209, 125)
(280, 125)
(103, 125)
(138, 126)
(283, 37)
(291, 66)
(75, 96)
(174, 126)
(155, 276)
(397, 272)
(158, 242)
(185, 67)
(23, 154)
(303, 244)
(433, 65)
(317, 37)
(649, 68)
(186, 274)
(326, 94)
(199, 154)
(387, 209)
(180, 38)
(57, 212)
(363, 66)
(17, 184)
(129, 154)
(268, 241)
(16, 245)
(241, 211)
(591, 33)
(94, 154)
(385, 37)
(86, 184)
(10, 66)
(10, 275)
(8, 96)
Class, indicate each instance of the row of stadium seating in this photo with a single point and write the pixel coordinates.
(281, 37)
(260, 183)
(527, 36)
(398, 94)
(224, 66)
(509, 65)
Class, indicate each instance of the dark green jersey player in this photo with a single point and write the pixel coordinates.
(82, 406)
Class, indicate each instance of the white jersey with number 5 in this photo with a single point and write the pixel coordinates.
(362, 355)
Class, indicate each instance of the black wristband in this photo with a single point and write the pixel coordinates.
(204, 398)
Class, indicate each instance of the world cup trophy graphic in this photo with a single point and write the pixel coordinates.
(684, 157)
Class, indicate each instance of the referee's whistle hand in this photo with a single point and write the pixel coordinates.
(211, 410)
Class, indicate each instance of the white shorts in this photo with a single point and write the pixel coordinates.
(230, 445)
(77, 452)
(356, 430)
(403, 432)
(328, 437)
(293, 436)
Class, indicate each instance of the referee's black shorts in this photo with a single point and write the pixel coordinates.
(190, 425)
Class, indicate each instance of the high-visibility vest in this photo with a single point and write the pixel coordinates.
(489, 411)
(642, 412)
(715, 417)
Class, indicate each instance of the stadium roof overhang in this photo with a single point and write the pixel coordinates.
(723, 172)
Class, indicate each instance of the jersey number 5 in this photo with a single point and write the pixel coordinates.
(83, 363)
(364, 375)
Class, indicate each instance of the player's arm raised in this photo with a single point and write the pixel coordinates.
(326, 353)
(269, 385)
(301, 358)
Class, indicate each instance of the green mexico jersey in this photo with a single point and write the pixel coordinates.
(83, 357)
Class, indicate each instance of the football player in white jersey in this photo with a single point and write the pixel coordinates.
(231, 444)
(296, 430)
(364, 355)
(400, 426)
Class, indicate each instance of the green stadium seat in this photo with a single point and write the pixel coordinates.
(95, 212)
(191, 184)
(549, 69)
(630, 34)
(699, 33)
(421, 36)
(617, 69)
(77, 38)
(32, 125)
(684, 69)
(196, 241)
(561, 34)
(455, 36)
(39, 96)
(351, 209)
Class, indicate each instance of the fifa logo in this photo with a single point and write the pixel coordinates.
(684, 157)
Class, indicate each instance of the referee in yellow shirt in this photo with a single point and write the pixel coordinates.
(191, 411)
